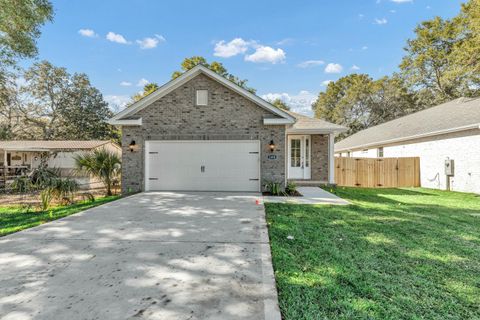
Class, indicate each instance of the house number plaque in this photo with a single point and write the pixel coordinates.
(272, 157)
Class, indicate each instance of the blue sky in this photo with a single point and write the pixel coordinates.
(287, 49)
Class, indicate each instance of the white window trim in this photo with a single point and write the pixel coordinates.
(197, 102)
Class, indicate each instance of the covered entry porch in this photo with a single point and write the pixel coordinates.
(310, 151)
(310, 159)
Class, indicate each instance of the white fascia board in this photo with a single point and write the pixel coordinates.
(177, 82)
(315, 131)
(413, 137)
(276, 121)
(127, 122)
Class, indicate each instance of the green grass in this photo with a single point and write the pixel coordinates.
(16, 218)
(392, 254)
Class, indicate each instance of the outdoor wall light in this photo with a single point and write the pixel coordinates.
(272, 146)
(132, 145)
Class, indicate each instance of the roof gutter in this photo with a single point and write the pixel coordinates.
(315, 131)
(417, 136)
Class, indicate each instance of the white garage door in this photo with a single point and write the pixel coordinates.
(202, 165)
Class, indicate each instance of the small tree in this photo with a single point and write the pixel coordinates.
(102, 164)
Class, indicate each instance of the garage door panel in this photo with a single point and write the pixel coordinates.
(227, 165)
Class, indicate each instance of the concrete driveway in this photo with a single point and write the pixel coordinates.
(149, 256)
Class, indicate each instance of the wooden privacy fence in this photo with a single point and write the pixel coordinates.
(377, 172)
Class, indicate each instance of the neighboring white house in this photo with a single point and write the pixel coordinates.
(450, 131)
(21, 156)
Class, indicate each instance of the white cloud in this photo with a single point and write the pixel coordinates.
(326, 82)
(115, 37)
(381, 21)
(117, 102)
(301, 102)
(333, 68)
(364, 48)
(266, 54)
(87, 33)
(142, 82)
(229, 49)
(311, 63)
(125, 84)
(355, 67)
(393, 11)
(240, 46)
(150, 42)
(361, 16)
(401, 1)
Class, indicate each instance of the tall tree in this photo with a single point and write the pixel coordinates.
(466, 54)
(358, 102)
(57, 105)
(20, 23)
(147, 89)
(84, 112)
(44, 94)
(279, 103)
(189, 63)
(12, 122)
(441, 62)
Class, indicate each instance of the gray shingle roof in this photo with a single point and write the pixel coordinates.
(51, 144)
(456, 114)
(306, 123)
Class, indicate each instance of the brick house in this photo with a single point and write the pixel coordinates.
(202, 132)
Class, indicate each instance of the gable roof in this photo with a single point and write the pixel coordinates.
(457, 115)
(186, 76)
(52, 144)
(307, 125)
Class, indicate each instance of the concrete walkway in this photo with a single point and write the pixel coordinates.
(149, 256)
(311, 195)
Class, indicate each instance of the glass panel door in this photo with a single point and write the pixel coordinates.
(295, 153)
(299, 151)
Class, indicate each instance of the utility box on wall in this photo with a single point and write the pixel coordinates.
(449, 167)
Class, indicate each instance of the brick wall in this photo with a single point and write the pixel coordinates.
(228, 116)
(319, 157)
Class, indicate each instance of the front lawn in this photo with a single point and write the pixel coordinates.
(392, 254)
(16, 218)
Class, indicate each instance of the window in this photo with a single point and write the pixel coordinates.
(202, 97)
(365, 151)
(295, 153)
(380, 152)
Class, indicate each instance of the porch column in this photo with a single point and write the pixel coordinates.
(331, 158)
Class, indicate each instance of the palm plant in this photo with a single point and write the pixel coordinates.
(102, 164)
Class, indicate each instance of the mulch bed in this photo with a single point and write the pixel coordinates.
(294, 194)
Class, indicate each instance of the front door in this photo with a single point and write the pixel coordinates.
(299, 150)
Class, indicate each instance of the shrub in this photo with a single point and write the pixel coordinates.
(63, 188)
(41, 177)
(102, 164)
(291, 188)
(275, 188)
(46, 197)
(87, 196)
(22, 185)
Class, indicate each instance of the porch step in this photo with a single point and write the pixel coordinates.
(309, 183)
